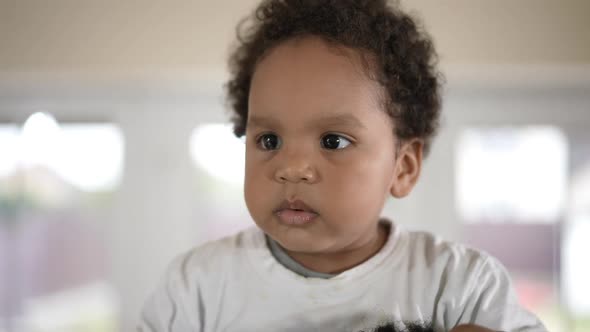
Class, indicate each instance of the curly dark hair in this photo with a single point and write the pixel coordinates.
(404, 56)
(409, 327)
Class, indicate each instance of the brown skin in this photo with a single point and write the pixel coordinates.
(302, 90)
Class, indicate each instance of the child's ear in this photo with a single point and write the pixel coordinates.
(408, 164)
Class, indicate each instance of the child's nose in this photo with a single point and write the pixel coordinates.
(295, 169)
(296, 175)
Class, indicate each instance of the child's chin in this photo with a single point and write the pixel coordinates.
(301, 243)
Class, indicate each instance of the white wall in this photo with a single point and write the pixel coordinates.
(97, 39)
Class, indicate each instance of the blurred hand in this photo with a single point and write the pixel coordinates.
(470, 328)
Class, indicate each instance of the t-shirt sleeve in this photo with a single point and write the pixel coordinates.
(491, 301)
(174, 305)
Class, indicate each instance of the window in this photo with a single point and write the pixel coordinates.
(54, 180)
(576, 270)
(216, 150)
(516, 175)
(511, 185)
(219, 157)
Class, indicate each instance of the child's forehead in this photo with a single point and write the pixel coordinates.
(348, 120)
(305, 82)
(314, 46)
(311, 79)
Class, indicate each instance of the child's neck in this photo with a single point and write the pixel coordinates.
(336, 262)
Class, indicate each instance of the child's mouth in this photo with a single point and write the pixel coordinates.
(295, 213)
(296, 217)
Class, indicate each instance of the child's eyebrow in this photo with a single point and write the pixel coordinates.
(347, 120)
(259, 121)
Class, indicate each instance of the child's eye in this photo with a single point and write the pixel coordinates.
(334, 142)
(269, 142)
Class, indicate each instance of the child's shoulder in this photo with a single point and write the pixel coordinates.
(435, 245)
(433, 252)
(215, 255)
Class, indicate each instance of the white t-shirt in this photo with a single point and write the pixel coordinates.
(236, 284)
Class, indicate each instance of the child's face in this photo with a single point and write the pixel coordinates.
(317, 140)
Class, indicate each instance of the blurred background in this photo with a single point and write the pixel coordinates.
(115, 153)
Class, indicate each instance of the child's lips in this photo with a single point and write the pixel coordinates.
(297, 205)
(295, 213)
(295, 217)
